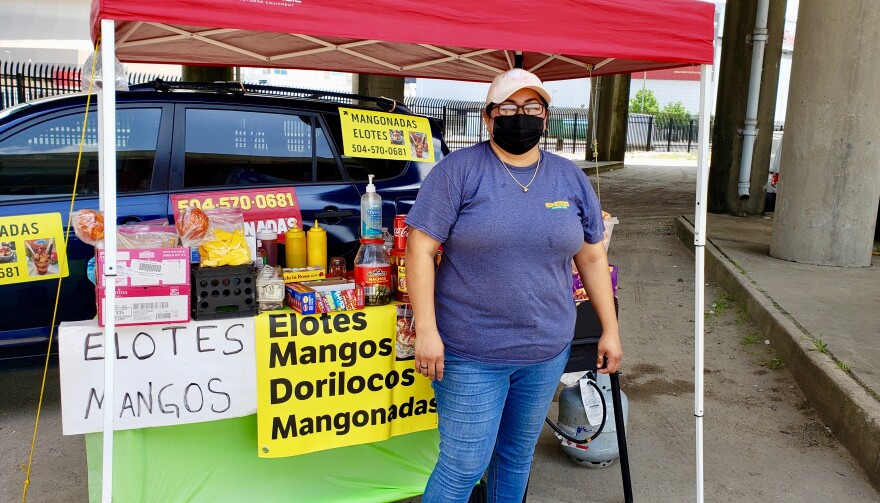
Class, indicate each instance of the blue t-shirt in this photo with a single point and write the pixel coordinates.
(503, 289)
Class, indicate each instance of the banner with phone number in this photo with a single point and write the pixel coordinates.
(382, 135)
(32, 248)
(270, 208)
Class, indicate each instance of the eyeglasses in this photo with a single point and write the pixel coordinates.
(528, 109)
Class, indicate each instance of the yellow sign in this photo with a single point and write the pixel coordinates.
(334, 380)
(32, 248)
(382, 135)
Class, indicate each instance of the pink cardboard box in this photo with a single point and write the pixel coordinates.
(147, 305)
(148, 267)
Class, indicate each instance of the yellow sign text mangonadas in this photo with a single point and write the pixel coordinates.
(383, 135)
(32, 248)
(334, 380)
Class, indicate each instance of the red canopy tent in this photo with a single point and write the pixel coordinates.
(454, 39)
(462, 40)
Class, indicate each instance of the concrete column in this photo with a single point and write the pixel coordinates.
(829, 172)
(612, 110)
(730, 107)
(378, 85)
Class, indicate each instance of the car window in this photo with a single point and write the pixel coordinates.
(236, 147)
(40, 160)
(359, 167)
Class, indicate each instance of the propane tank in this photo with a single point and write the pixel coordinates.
(581, 414)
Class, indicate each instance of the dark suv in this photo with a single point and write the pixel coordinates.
(179, 138)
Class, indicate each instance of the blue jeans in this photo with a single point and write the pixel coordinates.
(490, 414)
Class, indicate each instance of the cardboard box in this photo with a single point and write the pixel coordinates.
(327, 296)
(148, 267)
(303, 274)
(147, 305)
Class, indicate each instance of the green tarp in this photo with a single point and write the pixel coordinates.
(217, 462)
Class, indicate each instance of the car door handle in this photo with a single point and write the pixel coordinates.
(328, 214)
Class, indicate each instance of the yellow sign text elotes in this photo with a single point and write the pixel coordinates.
(383, 135)
(334, 380)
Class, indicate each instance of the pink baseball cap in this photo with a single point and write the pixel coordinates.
(511, 81)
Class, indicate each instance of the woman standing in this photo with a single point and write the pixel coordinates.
(495, 321)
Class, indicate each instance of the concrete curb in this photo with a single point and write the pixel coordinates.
(852, 414)
(589, 167)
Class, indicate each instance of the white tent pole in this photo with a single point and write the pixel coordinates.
(699, 257)
(107, 165)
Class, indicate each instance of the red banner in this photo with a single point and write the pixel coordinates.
(271, 208)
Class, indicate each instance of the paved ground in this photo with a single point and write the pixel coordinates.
(763, 439)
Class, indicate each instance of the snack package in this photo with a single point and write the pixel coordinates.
(224, 243)
(192, 226)
(144, 235)
(88, 225)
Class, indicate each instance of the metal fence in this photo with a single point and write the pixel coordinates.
(22, 82)
(568, 131)
(662, 134)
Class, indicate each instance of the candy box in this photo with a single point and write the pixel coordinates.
(303, 274)
(326, 296)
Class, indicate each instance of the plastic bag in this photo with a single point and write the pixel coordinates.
(88, 225)
(193, 226)
(121, 79)
(270, 289)
(225, 243)
(142, 235)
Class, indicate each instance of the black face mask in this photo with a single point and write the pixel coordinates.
(517, 134)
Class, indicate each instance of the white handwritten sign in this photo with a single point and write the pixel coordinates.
(164, 374)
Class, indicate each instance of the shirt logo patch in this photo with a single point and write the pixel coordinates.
(557, 205)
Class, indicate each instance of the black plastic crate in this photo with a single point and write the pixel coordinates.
(224, 292)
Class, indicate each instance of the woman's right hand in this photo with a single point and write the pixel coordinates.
(429, 354)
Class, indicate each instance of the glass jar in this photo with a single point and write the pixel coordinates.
(336, 268)
(398, 275)
(372, 272)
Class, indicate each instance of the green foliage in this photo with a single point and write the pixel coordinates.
(820, 345)
(775, 364)
(750, 340)
(675, 111)
(644, 103)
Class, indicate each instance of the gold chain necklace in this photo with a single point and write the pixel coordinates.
(526, 186)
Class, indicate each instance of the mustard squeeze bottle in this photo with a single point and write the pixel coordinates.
(295, 251)
(316, 241)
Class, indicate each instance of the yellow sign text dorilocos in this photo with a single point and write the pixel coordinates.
(32, 248)
(334, 380)
(383, 135)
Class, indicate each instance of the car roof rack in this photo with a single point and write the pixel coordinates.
(240, 88)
